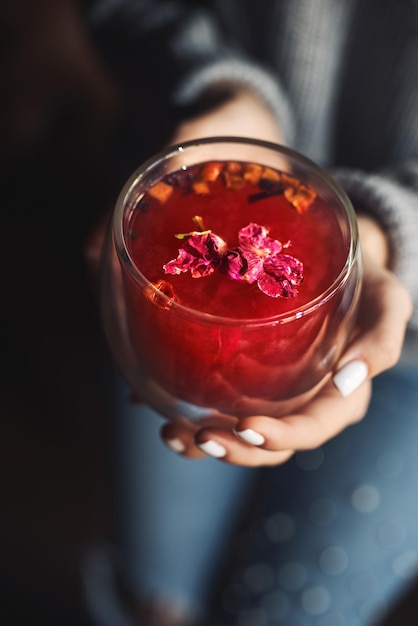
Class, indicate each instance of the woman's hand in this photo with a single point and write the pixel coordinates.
(243, 114)
(385, 308)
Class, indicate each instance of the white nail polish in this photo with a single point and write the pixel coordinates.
(176, 445)
(250, 436)
(350, 377)
(212, 448)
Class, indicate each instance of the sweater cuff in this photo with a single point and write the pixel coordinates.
(232, 74)
(394, 207)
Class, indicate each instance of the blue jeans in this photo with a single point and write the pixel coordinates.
(174, 517)
(328, 539)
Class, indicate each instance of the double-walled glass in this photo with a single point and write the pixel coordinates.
(237, 366)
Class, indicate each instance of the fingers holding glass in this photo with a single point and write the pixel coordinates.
(262, 440)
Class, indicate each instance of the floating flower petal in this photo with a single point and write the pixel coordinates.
(201, 254)
(242, 264)
(282, 273)
(258, 259)
(257, 237)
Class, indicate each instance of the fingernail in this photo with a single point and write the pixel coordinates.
(350, 377)
(176, 445)
(212, 448)
(250, 436)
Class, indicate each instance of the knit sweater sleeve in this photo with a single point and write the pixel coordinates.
(178, 50)
(391, 197)
(181, 49)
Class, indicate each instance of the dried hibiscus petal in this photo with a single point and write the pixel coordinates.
(257, 258)
(269, 188)
(256, 236)
(200, 187)
(234, 167)
(282, 273)
(300, 196)
(161, 191)
(210, 171)
(271, 174)
(252, 173)
(242, 264)
(233, 181)
(201, 254)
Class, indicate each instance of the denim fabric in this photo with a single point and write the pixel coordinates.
(330, 539)
(174, 516)
(336, 543)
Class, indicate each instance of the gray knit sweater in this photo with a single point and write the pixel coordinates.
(341, 76)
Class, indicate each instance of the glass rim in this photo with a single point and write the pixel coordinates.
(165, 301)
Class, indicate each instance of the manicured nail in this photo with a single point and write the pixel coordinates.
(212, 448)
(350, 377)
(176, 445)
(250, 436)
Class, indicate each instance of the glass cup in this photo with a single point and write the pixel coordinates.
(182, 360)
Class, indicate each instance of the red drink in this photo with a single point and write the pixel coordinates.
(213, 339)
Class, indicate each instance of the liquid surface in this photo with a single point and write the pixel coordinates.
(227, 197)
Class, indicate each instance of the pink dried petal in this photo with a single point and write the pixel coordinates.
(242, 264)
(257, 237)
(272, 246)
(276, 288)
(200, 255)
(186, 261)
(258, 258)
(281, 275)
(208, 245)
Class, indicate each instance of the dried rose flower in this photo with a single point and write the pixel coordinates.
(281, 275)
(258, 258)
(201, 255)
